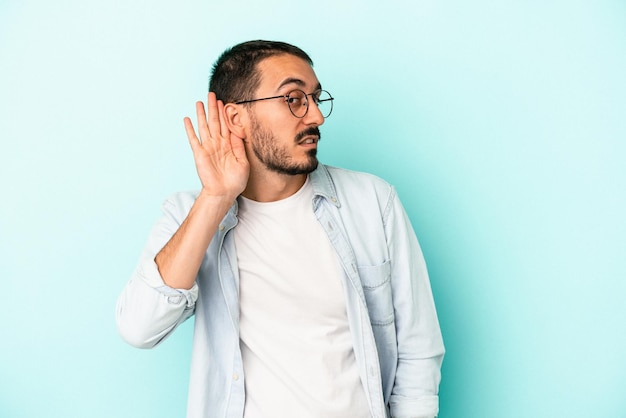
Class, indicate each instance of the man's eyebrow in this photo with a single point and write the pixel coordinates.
(297, 81)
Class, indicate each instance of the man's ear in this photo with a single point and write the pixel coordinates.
(235, 119)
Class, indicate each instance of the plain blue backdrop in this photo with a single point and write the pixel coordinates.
(501, 123)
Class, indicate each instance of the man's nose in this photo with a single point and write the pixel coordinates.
(314, 115)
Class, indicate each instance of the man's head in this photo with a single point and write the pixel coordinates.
(236, 75)
(255, 80)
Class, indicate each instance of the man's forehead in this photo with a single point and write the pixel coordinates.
(286, 70)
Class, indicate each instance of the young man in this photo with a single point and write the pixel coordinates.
(308, 286)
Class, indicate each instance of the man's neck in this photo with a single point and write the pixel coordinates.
(269, 186)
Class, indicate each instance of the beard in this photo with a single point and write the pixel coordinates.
(276, 157)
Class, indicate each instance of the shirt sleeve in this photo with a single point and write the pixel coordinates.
(420, 344)
(148, 310)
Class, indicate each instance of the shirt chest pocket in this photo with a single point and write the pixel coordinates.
(376, 282)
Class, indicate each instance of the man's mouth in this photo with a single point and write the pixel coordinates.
(310, 140)
(308, 136)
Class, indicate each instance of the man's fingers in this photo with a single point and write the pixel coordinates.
(236, 144)
(212, 125)
(191, 134)
(214, 115)
(203, 127)
(225, 132)
(213, 130)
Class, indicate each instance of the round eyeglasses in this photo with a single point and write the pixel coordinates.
(299, 103)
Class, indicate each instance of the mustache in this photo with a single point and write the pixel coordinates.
(312, 131)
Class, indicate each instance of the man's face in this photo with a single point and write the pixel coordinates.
(281, 142)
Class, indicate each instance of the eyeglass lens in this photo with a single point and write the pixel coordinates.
(298, 102)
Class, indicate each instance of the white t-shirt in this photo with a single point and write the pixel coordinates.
(295, 341)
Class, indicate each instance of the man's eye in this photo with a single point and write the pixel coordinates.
(294, 100)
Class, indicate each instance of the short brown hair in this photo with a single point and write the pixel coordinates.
(235, 76)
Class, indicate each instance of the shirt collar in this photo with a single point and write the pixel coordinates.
(323, 185)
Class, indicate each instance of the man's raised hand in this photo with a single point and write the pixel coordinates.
(219, 154)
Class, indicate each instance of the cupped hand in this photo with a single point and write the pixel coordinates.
(219, 154)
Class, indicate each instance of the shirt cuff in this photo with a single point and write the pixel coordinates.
(424, 407)
(149, 273)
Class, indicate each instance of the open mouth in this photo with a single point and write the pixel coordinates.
(310, 140)
(309, 136)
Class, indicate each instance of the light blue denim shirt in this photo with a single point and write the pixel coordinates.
(391, 313)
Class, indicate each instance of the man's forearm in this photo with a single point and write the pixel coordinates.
(180, 259)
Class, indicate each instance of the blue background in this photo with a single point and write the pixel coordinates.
(501, 123)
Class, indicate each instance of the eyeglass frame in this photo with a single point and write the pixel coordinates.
(286, 97)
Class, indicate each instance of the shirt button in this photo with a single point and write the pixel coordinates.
(334, 199)
(221, 228)
(235, 377)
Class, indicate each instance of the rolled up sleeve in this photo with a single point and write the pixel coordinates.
(148, 310)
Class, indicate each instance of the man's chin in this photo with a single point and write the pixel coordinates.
(306, 169)
(312, 167)
(296, 170)
(312, 163)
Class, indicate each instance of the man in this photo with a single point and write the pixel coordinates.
(309, 289)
